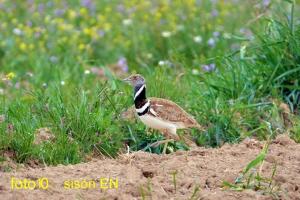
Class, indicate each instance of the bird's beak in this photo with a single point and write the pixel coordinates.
(127, 80)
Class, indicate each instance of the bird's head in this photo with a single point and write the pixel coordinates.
(135, 79)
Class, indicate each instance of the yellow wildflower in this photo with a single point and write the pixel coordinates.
(108, 10)
(20, 26)
(47, 19)
(23, 46)
(87, 31)
(72, 14)
(100, 18)
(10, 75)
(81, 46)
(107, 26)
(14, 21)
(83, 11)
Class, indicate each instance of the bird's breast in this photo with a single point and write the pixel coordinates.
(155, 122)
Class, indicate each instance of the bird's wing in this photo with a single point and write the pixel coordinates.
(170, 111)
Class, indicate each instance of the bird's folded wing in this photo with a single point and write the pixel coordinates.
(170, 111)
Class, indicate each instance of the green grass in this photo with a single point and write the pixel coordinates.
(252, 178)
(47, 48)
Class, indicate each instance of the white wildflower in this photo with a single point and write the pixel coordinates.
(165, 63)
(166, 34)
(30, 74)
(127, 22)
(161, 63)
(195, 72)
(198, 39)
(17, 31)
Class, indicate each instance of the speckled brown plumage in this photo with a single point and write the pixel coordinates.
(170, 111)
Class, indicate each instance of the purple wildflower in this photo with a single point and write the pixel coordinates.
(211, 42)
(209, 68)
(214, 13)
(37, 34)
(59, 12)
(53, 59)
(101, 33)
(122, 63)
(247, 33)
(88, 4)
(18, 85)
(29, 23)
(162, 21)
(266, 3)
(49, 4)
(216, 34)
(30, 2)
(121, 8)
(41, 8)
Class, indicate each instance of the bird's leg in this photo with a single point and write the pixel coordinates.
(165, 148)
(155, 144)
(165, 142)
(168, 133)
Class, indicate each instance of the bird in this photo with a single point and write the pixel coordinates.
(160, 114)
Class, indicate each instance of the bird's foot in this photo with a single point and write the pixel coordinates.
(165, 142)
(156, 144)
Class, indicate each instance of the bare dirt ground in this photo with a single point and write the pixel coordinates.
(149, 176)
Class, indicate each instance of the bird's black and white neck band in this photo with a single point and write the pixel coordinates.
(144, 109)
(142, 104)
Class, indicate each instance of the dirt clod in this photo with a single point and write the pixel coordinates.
(148, 174)
(284, 140)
